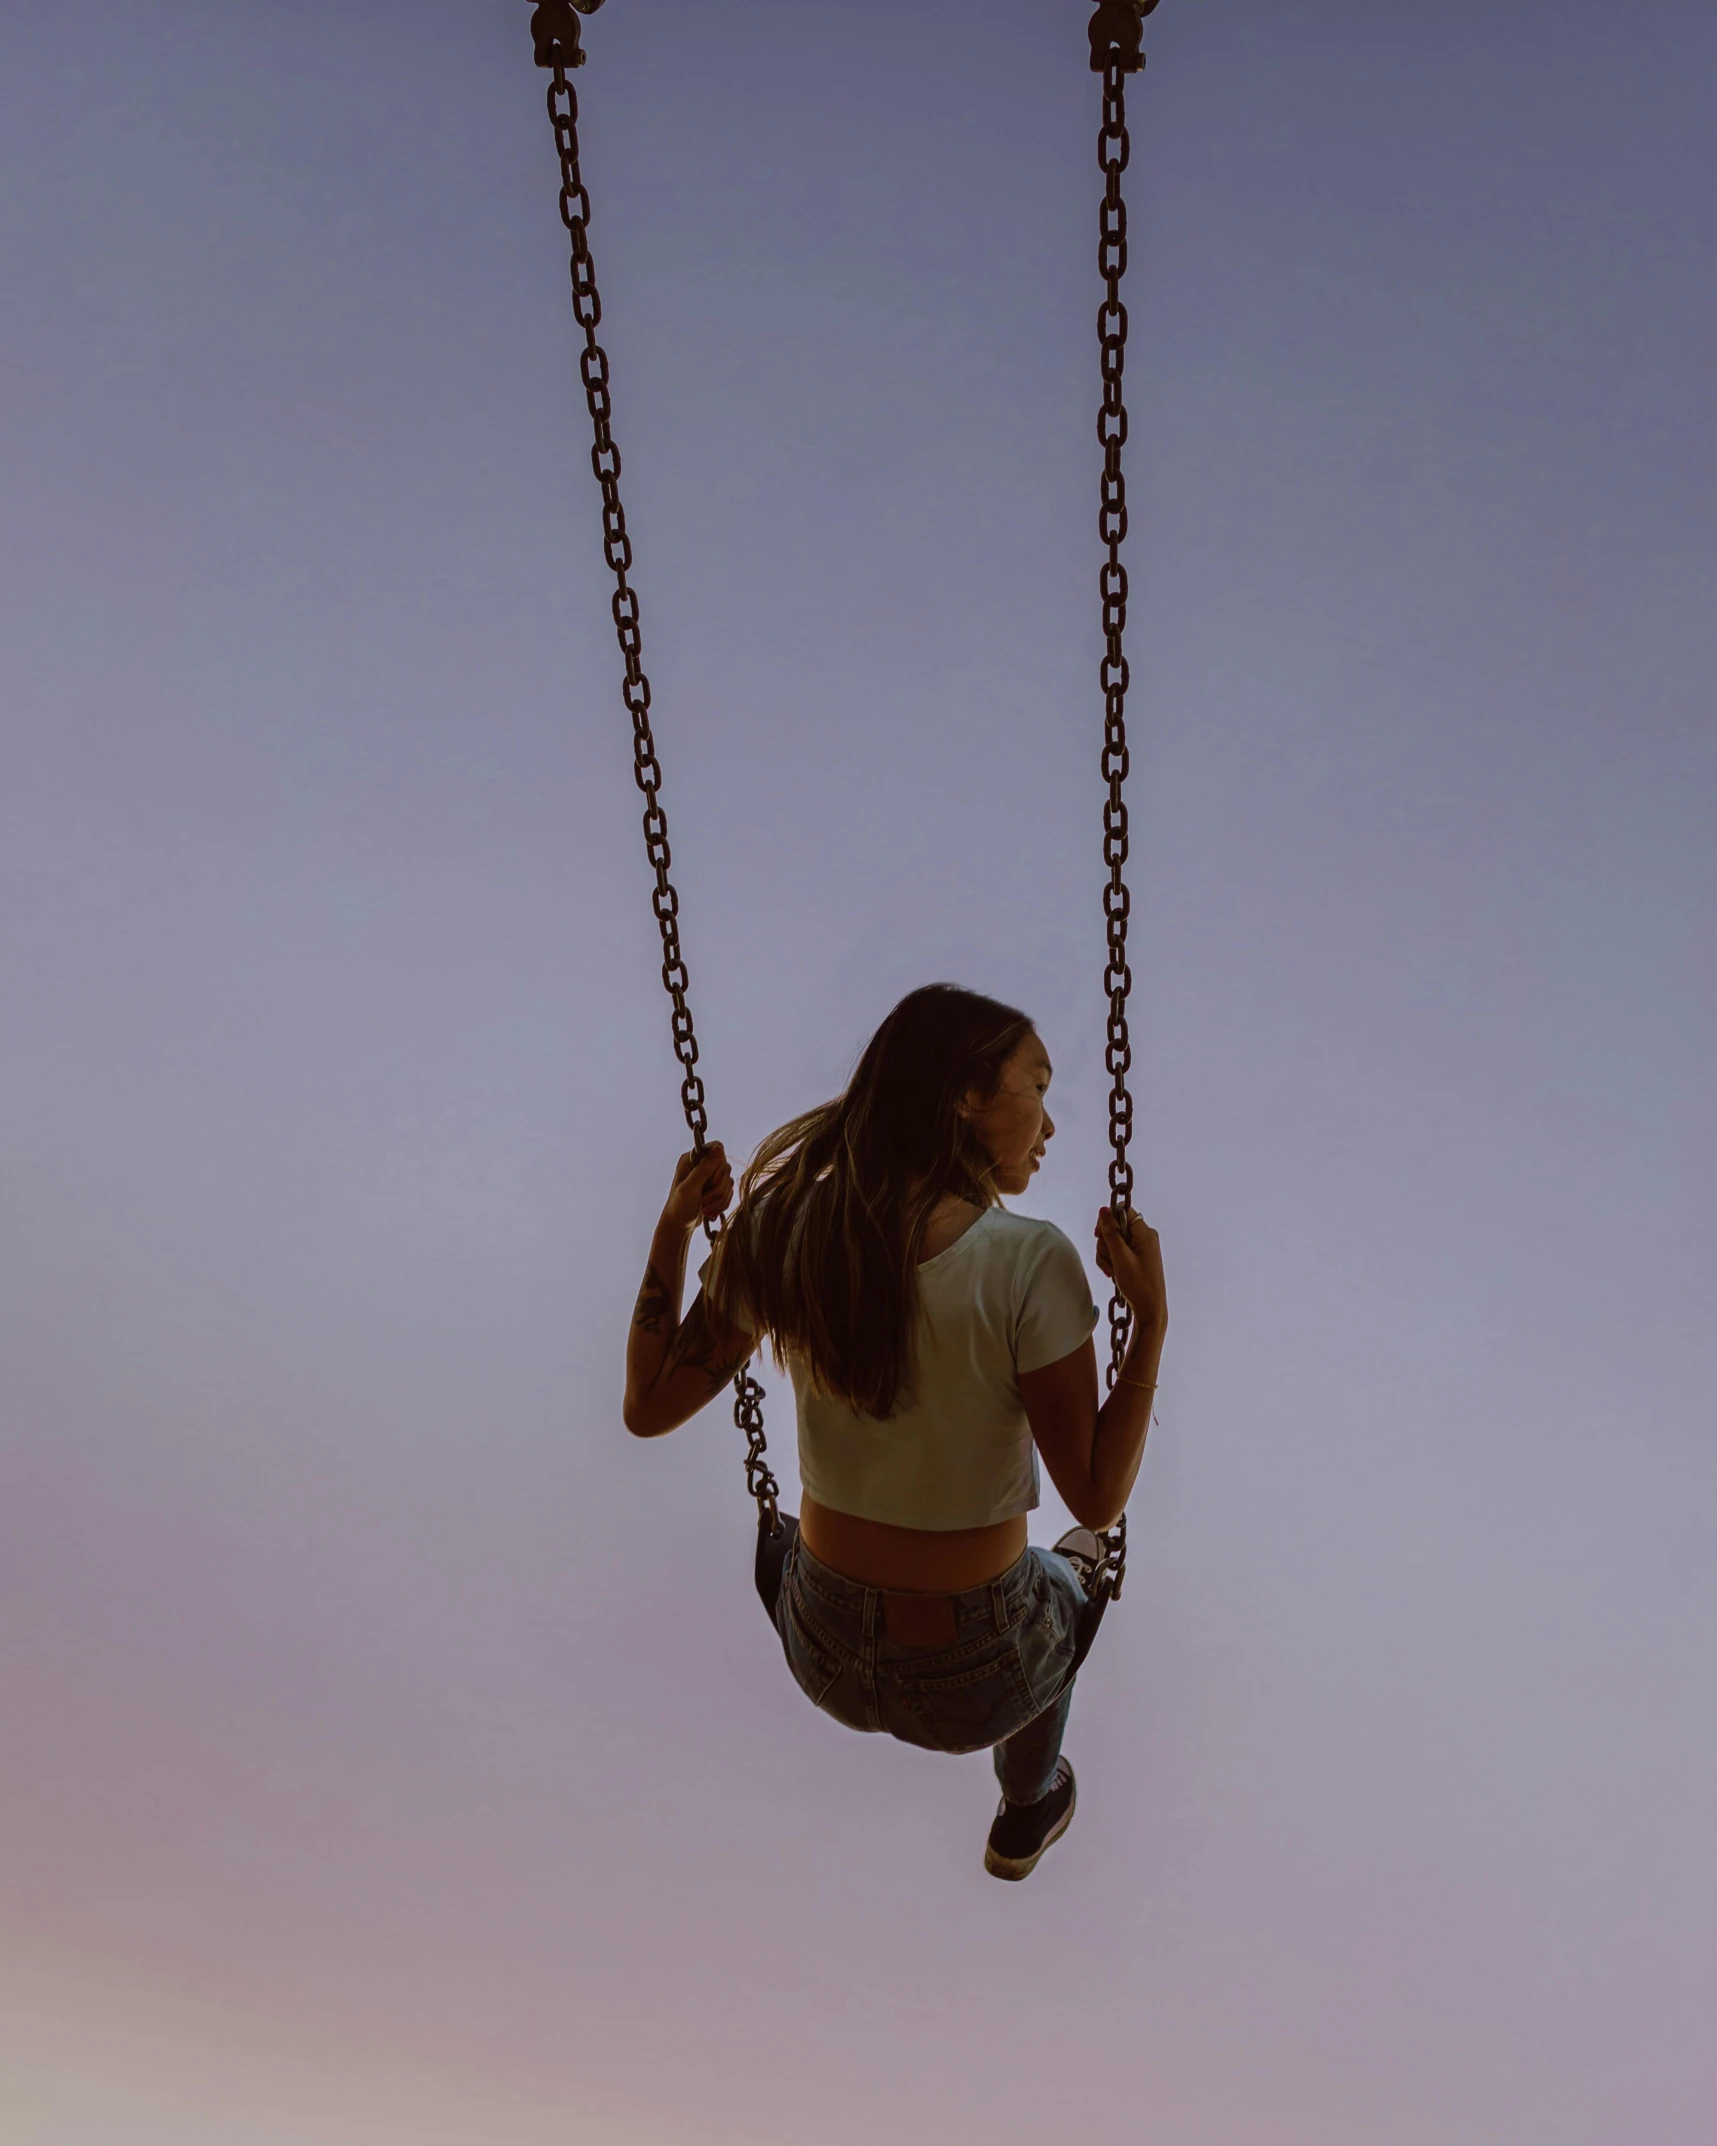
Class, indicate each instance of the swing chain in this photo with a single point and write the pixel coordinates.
(759, 1477)
(1117, 59)
(554, 30)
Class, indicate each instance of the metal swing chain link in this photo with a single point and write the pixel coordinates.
(554, 29)
(1117, 59)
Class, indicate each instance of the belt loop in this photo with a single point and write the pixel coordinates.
(999, 1604)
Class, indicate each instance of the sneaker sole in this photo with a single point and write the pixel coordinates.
(1072, 1546)
(1014, 1867)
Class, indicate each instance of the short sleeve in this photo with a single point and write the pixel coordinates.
(1055, 1312)
(736, 1315)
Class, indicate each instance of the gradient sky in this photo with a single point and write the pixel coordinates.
(393, 1750)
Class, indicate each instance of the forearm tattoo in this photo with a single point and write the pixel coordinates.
(655, 1304)
(694, 1344)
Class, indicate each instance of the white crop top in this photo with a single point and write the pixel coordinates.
(1010, 1295)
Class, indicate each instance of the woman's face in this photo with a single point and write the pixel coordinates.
(1014, 1123)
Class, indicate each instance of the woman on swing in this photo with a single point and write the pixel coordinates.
(937, 1344)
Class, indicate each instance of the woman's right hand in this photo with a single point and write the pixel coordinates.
(1135, 1267)
(703, 1187)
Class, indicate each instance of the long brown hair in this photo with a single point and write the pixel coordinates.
(822, 1250)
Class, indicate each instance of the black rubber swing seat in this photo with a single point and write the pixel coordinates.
(772, 1549)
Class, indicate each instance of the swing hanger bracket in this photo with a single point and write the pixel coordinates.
(554, 30)
(1116, 32)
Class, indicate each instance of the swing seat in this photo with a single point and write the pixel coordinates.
(771, 1565)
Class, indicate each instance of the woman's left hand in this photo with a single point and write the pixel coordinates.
(703, 1187)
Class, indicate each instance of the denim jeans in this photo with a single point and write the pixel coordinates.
(1002, 1685)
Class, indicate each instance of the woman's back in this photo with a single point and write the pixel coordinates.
(1009, 1294)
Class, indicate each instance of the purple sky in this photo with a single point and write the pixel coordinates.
(393, 1750)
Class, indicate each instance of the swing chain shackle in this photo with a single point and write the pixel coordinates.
(1115, 32)
(1115, 52)
(554, 30)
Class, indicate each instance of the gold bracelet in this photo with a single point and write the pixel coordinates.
(1144, 1386)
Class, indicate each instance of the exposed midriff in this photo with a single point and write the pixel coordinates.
(940, 1561)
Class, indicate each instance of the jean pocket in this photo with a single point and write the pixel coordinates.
(1046, 1655)
(815, 1669)
(971, 1708)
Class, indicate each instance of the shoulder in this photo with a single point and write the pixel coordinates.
(1033, 1253)
(1028, 1240)
(723, 1290)
(1052, 1307)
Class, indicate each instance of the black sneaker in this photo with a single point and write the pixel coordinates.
(1083, 1552)
(1022, 1831)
